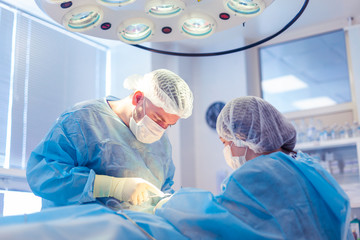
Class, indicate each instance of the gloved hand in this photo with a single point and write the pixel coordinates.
(133, 190)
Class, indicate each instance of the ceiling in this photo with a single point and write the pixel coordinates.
(277, 15)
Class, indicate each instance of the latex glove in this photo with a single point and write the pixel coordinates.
(133, 190)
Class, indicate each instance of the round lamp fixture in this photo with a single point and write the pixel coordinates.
(198, 26)
(115, 3)
(193, 19)
(135, 30)
(245, 8)
(83, 18)
(164, 8)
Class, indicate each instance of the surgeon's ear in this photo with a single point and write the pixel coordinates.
(137, 97)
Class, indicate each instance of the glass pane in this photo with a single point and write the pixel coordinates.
(306, 73)
(18, 203)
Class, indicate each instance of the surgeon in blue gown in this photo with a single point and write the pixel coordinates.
(273, 193)
(113, 151)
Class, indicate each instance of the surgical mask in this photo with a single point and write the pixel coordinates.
(234, 162)
(146, 130)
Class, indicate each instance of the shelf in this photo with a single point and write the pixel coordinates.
(348, 180)
(327, 144)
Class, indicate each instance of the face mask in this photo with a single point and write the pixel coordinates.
(234, 162)
(146, 130)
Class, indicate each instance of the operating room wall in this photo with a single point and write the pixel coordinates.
(126, 60)
(220, 78)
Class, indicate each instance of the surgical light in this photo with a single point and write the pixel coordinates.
(135, 30)
(82, 18)
(198, 26)
(161, 20)
(161, 8)
(245, 7)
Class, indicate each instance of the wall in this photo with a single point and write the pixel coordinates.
(126, 60)
(220, 78)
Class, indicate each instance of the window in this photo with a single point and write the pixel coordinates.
(306, 73)
(44, 70)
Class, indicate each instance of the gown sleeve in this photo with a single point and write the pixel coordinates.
(56, 169)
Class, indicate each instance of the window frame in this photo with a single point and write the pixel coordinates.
(254, 86)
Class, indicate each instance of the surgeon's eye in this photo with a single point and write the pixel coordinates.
(158, 121)
(161, 124)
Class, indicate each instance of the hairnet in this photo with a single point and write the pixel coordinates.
(164, 89)
(255, 123)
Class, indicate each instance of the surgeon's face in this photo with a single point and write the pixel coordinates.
(157, 114)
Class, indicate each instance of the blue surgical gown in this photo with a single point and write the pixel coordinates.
(91, 139)
(271, 197)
